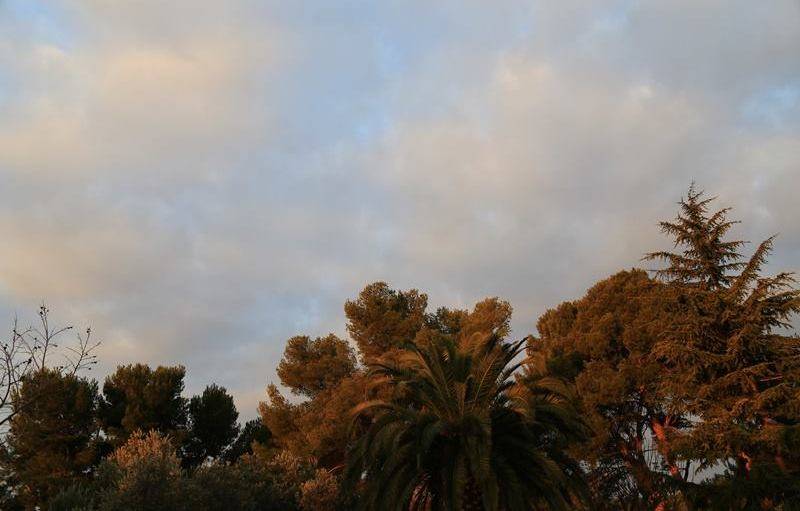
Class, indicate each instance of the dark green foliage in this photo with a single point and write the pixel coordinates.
(212, 425)
(51, 441)
(217, 488)
(253, 431)
(247, 486)
(73, 498)
(148, 491)
(137, 397)
(461, 432)
(9, 494)
(144, 474)
(766, 487)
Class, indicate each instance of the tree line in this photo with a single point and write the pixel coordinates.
(673, 389)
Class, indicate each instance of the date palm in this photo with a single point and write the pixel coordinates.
(461, 433)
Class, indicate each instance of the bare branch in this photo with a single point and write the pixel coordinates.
(28, 350)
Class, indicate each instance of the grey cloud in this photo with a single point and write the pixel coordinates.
(202, 180)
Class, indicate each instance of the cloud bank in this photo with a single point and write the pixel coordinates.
(202, 180)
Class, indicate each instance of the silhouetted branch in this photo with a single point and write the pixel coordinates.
(28, 350)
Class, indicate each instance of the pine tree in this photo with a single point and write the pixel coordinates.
(52, 438)
(382, 319)
(137, 397)
(309, 367)
(601, 345)
(253, 431)
(212, 425)
(324, 371)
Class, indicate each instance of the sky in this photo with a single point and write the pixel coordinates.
(201, 180)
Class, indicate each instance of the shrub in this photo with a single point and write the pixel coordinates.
(144, 474)
(320, 493)
(72, 498)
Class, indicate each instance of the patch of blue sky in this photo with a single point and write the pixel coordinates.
(6, 86)
(614, 19)
(40, 22)
(607, 23)
(776, 107)
(44, 21)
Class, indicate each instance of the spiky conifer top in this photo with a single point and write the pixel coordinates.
(732, 364)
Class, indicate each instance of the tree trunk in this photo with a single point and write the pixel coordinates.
(471, 500)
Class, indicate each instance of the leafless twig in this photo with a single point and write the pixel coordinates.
(28, 350)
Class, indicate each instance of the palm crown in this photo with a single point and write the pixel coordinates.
(462, 433)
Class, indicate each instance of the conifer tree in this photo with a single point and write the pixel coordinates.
(136, 397)
(314, 428)
(51, 441)
(729, 361)
(253, 431)
(707, 258)
(309, 367)
(490, 316)
(212, 425)
(382, 319)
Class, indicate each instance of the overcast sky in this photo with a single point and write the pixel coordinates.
(200, 180)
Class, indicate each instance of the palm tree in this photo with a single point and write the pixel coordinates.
(462, 434)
